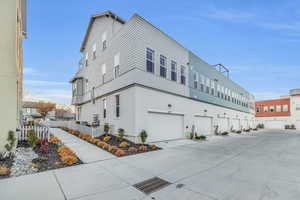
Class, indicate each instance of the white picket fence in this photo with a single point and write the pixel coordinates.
(42, 132)
(92, 131)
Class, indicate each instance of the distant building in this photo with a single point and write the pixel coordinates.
(13, 30)
(134, 76)
(277, 113)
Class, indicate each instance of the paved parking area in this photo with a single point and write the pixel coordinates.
(263, 166)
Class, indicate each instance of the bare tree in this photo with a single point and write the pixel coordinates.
(45, 107)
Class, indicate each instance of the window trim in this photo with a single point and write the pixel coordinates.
(162, 57)
(150, 60)
(173, 70)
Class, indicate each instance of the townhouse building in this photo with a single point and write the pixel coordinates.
(278, 113)
(13, 30)
(134, 76)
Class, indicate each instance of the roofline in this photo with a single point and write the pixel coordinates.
(278, 99)
(92, 19)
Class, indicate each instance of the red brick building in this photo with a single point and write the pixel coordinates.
(273, 108)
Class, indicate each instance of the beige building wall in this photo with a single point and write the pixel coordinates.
(13, 29)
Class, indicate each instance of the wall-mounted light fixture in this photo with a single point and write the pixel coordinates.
(205, 110)
(169, 105)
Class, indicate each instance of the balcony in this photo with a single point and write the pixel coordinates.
(79, 99)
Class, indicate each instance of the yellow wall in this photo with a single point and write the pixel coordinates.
(11, 68)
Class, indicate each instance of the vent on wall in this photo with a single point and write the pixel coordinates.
(151, 185)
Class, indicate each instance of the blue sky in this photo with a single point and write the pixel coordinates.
(257, 40)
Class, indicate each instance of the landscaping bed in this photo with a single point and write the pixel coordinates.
(37, 155)
(116, 145)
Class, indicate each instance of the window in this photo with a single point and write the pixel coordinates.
(266, 109)
(86, 85)
(195, 80)
(202, 83)
(95, 118)
(78, 113)
(182, 75)
(173, 71)
(117, 65)
(272, 108)
(103, 72)
(93, 95)
(94, 51)
(207, 85)
(104, 42)
(104, 108)
(150, 60)
(117, 105)
(257, 109)
(285, 108)
(163, 66)
(86, 61)
(278, 108)
(212, 85)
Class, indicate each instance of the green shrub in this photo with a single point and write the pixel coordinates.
(191, 135)
(224, 133)
(121, 134)
(143, 135)
(11, 139)
(31, 138)
(238, 132)
(200, 137)
(39, 159)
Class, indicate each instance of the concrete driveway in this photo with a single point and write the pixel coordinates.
(265, 166)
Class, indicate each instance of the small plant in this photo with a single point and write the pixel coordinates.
(247, 130)
(77, 122)
(132, 150)
(4, 170)
(112, 149)
(200, 137)
(101, 144)
(143, 135)
(120, 152)
(69, 160)
(191, 135)
(44, 148)
(39, 159)
(124, 144)
(255, 129)
(143, 148)
(54, 140)
(238, 132)
(106, 146)
(11, 139)
(106, 138)
(32, 138)
(224, 133)
(121, 134)
(153, 147)
(106, 128)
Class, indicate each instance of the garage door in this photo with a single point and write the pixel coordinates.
(244, 123)
(223, 124)
(297, 124)
(235, 124)
(272, 124)
(203, 125)
(164, 127)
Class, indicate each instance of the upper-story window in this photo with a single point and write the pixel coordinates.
(266, 109)
(195, 77)
(150, 60)
(212, 85)
(86, 85)
(202, 82)
(104, 41)
(258, 109)
(163, 66)
(278, 108)
(207, 85)
(118, 105)
(272, 108)
(94, 51)
(285, 108)
(117, 65)
(182, 75)
(218, 91)
(173, 71)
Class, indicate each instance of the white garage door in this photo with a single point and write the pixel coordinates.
(203, 125)
(223, 124)
(164, 127)
(274, 124)
(297, 125)
(235, 124)
(244, 123)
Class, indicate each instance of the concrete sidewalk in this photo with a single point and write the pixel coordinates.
(85, 151)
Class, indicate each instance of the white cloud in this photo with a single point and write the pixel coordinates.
(230, 15)
(44, 83)
(61, 96)
(28, 71)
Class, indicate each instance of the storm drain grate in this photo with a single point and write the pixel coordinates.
(151, 185)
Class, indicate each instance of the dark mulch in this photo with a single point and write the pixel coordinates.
(7, 162)
(115, 142)
(53, 159)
